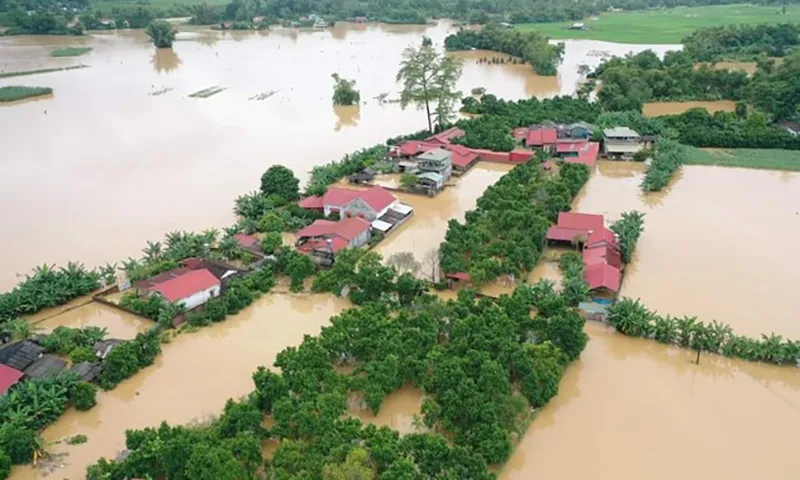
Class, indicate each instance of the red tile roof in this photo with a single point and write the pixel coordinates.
(565, 234)
(602, 254)
(463, 276)
(583, 221)
(601, 275)
(569, 145)
(337, 244)
(186, 285)
(541, 136)
(462, 156)
(313, 202)
(244, 240)
(340, 233)
(339, 197)
(446, 136)
(8, 377)
(316, 229)
(378, 198)
(150, 283)
(598, 237)
(587, 152)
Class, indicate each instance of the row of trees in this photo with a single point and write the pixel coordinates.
(506, 232)
(667, 157)
(628, 228)
(532, 47)
(742, 42)
(634, 319)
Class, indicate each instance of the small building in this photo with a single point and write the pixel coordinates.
(438, 161)
(572, 226)
(578, 26)
(249, 243)
(9, 377)
(430, 181)
(579, 151)
(362, 177)
(544, 136)
(20, 355)
(45, 366)
(86, 371)
(323, 239)
(621, 142)
(602, 254)
(192, 289)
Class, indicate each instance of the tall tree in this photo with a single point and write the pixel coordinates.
(429, 76)
(161, 32)
(280, 180)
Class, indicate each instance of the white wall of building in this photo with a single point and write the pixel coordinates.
(200, 297)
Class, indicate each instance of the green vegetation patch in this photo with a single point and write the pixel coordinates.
(70, 51)
(664, 26)
(41, 70)
(207, 92)
(16, 92)
(772, 159)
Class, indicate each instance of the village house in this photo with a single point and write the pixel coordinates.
(323, 239)
(249, 243)
(8, 378)
(190, 289)
(439, 161)
(548, 135)
(26, 359)
(368, 204)
(621, 142)
(572, 227)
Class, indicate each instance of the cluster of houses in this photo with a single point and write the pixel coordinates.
(361, 214)
(26, 359)
(601, 256)
(571, 142)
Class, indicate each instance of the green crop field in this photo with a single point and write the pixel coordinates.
(70, 51)
(665, 26)
(746, 158)
(16, 92)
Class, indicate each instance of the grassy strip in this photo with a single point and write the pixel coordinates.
(664, 26)
(16, 92)
(70, 51)
(207, 92)
(776, 159)
(42, 70)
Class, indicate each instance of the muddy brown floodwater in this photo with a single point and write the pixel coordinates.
(119, 324)
(190, 381)
(655, 109)
(120, 155)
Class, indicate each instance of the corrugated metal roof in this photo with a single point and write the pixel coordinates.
(601, 275)
(583, 221)
(620, 132)
(20, 355)
(47, 365)
(378, 198)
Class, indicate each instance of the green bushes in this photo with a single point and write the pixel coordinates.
(667, 157)
(65, 340)
(324, 175)
(532, 47)
(154, 307)
(344, 91)
(5, 465)
(628, 228)
(16, 92)
(83, 396)
(47, 287)
(127, 358)
(634, 319)
(238, 294)
(742, 42)
(574, 287)
(70, 51)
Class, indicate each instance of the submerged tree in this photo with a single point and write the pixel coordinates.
(161, 32)
(429, 76)
(344, 92)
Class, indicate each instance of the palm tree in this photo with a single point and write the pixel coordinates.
(161, 32)
(152, 251)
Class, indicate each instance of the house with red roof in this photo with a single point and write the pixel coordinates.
(8, 378)
(445, 137)
(571, 226)
(191, 289)
(368, 204)
(249, 243)
(325, 238)
(579, 151)
(602, 276)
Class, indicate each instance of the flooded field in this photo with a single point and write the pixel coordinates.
(191, 379)
(655, 109)
(632, 409)
(127, 156)
(397, 411)
(119, 324)
(425, 231)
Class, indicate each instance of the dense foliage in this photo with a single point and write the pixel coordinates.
(161, 32)
(574, 288)
(505, 234)
(324, 175)
(154, 307)
(628, 82)
(64, 340)
(48, 286)
(742, 42)
(668, 156)
(344, 91)
(280, 181)
(628, 229)
(532, 47)
(699, 128)
(521, 113)
(632, 318)
(775, 89)
(127, 358)
(38, 22)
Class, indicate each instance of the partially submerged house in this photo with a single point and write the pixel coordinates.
(45, 366)
(20, 355)
(368, 204)
(190, 289)
(249, 243)
(323, 239)
(548, 135)
(439, 160)
(582, 152)
(8, 378)
(572, 227)
(621, 142)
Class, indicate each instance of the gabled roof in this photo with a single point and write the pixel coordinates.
(20, 355)
(312, 202)
(587, 155)
(565, 234)
(538, 136)
(347, 228)
(150, 283)
(378, 198)
(186, 285)
(583, 221)
(602, 253)
(602, 275)
(47, 365)
(245, 241)
(462, 156)
(619, 132)
(86, 371)
(8, 377)
(339, 197)
(446, 136)
(603, 235)
(436, 155)
(462, 276)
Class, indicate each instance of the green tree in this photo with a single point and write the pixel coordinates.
(430, 77)
(344, 92)
(161, 32)
(17, 442)
(83, 396)
(279, 180)
(5, 465)
(408, 180)
(355, 467)
(209, 462)
(271, 242)
(628, 228)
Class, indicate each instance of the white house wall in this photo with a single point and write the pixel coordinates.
(201, 297)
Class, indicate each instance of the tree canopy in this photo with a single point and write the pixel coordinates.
(161, 32)
(344, 92)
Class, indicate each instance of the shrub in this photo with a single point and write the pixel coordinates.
(82, 354)
(83, 396)
(5, 465)
(17, 442)
(16, 92)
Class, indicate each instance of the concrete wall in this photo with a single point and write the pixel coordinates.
(361, 239)
(357, 208)
(200, 298)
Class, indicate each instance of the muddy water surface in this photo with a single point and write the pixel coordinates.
(119, 324)
(121, 164)
(709, 249)
(632, 409)
(397, 411)
(655, 109)
(191, 380)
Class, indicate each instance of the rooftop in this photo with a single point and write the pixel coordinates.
(378, 198)
(47, 365)
(602, 253)
(8, 377)
(602, 275)
(584, 221)
(432, 176)
(186, 285)
(541, 135)
(20, 355)
(619, 132)
(446, 136)
(246, 241)
(436, 155)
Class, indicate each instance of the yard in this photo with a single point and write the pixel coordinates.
(665, 26)
(746, 157)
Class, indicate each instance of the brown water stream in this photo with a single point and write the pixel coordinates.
(116, 158)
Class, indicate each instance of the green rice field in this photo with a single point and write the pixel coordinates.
(14, 93)
(70, 51)
(745, 158)
(665, 26)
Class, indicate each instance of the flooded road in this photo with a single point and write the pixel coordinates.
(655, 109)
(708, 250)
(120, 155)
(633, 409)
(191, 380)
(425, 231)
